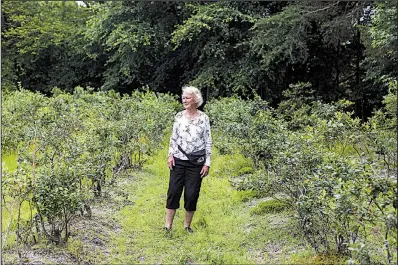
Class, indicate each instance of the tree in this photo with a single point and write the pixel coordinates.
(213, 43)
(380, 61)
(132, 38)
(42, 44)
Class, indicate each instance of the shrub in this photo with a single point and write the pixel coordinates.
(269, 206)
(66, 145)
(339, 174)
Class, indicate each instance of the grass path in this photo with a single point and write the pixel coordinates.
(126, 226)
(225, 232)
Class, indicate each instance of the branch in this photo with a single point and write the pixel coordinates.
(46, 234)
(346, 79)
(326, 7)
(86, 3)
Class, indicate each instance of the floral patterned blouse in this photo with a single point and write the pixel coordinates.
(191, 134)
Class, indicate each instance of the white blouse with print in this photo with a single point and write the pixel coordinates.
(192, 135)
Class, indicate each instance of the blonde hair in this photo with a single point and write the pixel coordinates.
(194, 91)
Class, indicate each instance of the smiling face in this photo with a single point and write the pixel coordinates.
(188, 100)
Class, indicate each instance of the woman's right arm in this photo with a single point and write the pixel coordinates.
(172, 146)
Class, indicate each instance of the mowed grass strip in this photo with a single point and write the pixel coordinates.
(218, 224)
(225, 230)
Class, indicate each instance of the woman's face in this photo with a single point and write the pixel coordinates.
(188, 100)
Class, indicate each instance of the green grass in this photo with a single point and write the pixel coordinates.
(309, 258)
(9, 161)
(217, 223)
(225, 230)
(9, 209)
(269, 206)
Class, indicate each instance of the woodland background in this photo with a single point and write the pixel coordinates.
(302, 99)
(343, 49)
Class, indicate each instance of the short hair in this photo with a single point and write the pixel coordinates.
(194, 91)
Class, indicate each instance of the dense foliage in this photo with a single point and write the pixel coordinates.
(68, 146)
(306, 90)
(225, 48)
(338, 174)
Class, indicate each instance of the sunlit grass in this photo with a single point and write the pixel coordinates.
(9, 161)
(218, 222)
(224, 230)
(9, 209)
(308, 257)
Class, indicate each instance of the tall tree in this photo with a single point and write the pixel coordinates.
(166, 45)
(309, 42)
(134, 37)
(42, 45)
(215, 39)
(379, 36)
(222, 47)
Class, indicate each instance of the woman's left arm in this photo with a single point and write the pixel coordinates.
(207, 140)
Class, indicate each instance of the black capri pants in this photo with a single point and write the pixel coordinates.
(184, 175)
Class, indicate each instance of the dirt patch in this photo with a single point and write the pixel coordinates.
(89, 239)
(42, 255)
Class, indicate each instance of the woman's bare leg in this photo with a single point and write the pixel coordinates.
(188, 218)
(170, 217)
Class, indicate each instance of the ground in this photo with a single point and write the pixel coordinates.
(127, 220)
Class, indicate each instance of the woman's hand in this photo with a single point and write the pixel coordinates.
(171, 162)
(204, 172)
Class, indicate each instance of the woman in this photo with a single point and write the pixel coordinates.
(191, 135)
